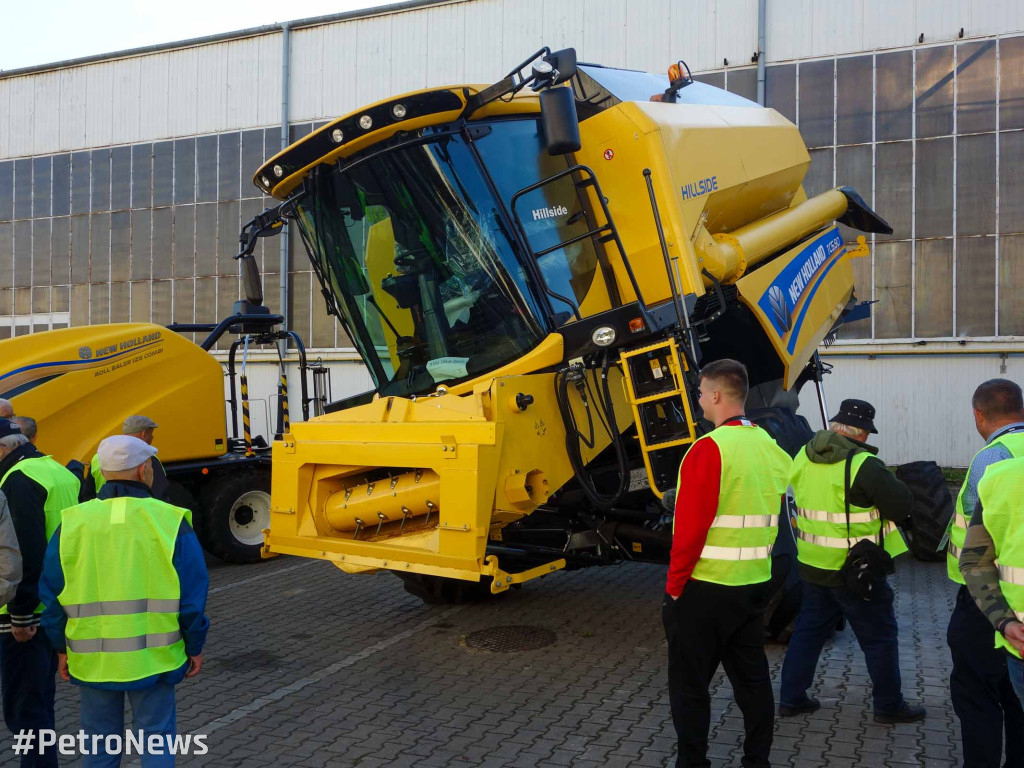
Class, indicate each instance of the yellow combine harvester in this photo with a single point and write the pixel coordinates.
(532, 273)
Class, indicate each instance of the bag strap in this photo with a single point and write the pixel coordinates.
(846, 501)
(846, 495)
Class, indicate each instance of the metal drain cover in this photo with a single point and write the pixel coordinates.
(508, 639)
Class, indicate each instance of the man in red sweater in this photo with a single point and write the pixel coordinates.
(731, 485)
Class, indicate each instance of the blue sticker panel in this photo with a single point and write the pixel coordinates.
(800, 276)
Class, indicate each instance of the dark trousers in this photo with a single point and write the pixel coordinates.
(874, 624)
(1016, 668)
(710, 625)
(983, 697)
(27, 686)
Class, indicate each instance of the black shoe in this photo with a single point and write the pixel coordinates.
(908, 713)
(811, 705)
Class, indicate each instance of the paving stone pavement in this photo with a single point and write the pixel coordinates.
(307, 667)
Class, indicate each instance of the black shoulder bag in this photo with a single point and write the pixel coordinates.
(867, 563)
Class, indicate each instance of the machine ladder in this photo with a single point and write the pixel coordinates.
(655, 381)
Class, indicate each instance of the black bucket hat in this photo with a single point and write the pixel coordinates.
(857, 413)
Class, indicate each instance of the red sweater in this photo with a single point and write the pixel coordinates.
(700, 479)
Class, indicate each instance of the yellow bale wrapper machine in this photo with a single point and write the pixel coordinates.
(79, 384)
(533, 272)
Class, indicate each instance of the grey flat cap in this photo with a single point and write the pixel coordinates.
(135, 424)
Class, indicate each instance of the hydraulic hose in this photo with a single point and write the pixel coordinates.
(573, 436)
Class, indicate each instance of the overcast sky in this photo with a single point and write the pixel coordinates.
(46, 31)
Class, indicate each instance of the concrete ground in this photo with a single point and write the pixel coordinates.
(308, 666)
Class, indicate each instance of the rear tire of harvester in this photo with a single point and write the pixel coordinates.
(790, 430)
(235, 509)
(437, 590)
(933, 507)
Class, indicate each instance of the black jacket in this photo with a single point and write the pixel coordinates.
(26, 498)
(874, 486)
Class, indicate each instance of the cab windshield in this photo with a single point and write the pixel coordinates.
(416, 255)
(420, 266)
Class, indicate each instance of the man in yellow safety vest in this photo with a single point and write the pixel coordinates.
(992, 562)
(125, 590)
(731, 485)
(844, 497)
(979, 686)
(38, 489)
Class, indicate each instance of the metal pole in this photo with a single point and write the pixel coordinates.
(762, 12)
(822, 405)
(285, 264)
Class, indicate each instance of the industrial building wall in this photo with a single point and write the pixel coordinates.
(923, 400)
(123, 182)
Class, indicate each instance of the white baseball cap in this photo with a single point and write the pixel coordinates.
(122, 452)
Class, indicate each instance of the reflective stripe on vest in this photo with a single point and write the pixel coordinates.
(120, 607)
(823, 537)
(835, 517)
(1014, 443)
(744, 521)
(124, 644)
(953, 551)
(1011, 575)
(61, 488)
(842, 543)
(736, 554)
(122, 619)
(754, 477)
(1000, 492)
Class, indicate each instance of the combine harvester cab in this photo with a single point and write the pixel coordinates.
(533, 272)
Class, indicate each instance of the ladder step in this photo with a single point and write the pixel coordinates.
(668, 444)
(664, 395)
(645, 350)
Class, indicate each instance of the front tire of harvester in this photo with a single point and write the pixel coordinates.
(933, 507)
(235, 510)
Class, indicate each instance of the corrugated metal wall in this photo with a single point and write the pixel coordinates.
(923, 402)
(337, 67)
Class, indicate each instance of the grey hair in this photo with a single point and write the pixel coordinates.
(13, 441)
(847, 431)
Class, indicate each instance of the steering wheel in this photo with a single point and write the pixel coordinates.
(409, 259)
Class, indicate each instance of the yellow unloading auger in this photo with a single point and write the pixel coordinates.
(532, 272)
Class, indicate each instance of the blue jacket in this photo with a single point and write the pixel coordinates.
(190, 566)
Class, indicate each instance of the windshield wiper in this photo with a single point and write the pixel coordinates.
(373, 303)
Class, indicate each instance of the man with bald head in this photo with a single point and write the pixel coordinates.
(6, 409)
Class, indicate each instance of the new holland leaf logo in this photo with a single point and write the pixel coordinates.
(85, 353)
(777, 301)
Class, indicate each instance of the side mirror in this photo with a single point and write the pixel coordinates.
(252, 285)
(561, 125)
(564, 62)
